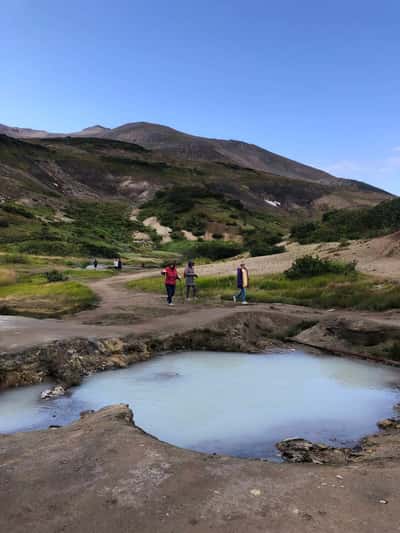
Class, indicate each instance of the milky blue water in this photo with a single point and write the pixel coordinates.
(229, 403)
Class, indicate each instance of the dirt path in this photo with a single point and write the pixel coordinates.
(122, 311)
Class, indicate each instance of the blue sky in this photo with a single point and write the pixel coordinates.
(316, 81)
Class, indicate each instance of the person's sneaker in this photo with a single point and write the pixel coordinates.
(234, 299)
(245, 303)
(172, 303)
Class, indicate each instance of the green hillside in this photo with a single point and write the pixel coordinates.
(351, 224)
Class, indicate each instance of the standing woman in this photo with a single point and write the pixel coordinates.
(190, 278)
(170, 276)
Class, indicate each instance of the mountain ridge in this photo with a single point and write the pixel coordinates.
(174, 144)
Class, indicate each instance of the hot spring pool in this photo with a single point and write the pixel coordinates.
(229, 403)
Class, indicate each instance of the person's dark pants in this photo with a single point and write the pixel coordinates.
(170, 292)
(241, 294)
(194, 291)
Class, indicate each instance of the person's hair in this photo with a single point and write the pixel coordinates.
(190, 263)
(172, 263)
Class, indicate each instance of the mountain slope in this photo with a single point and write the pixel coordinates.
(87, 167)
(55, 194)
(173, 144)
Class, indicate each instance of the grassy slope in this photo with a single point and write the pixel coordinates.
(331, 290)
(352, 224)
(96, 228)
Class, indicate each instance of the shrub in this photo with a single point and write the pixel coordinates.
(258, 249)
(16, 209)
(38, 247)
(55, 275)
(394, 351)
(217, 236)
(262, 242)
(215, 250)
(309, 266)
(13, 259)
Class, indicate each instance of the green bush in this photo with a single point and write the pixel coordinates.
(216, 250)
(38, 247)
(262, 242)
(13, 259)
(394, 351)
(16, 209)
(55, 275)
(310, 266)
(258, 249)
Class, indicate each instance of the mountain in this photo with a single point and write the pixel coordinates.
(91, 194)
(173, 144)
(83, 166)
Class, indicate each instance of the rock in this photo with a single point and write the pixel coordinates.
(54, 392)
(296, 450)
(88, 412)
(389, 423)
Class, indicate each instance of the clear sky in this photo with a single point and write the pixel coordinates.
(315, 80)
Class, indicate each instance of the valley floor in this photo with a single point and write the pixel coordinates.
(103, 474)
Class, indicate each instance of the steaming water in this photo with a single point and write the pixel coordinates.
(230, 403)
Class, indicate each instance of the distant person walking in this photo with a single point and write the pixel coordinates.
(171, 275)
(243, 281)
(95, 263)
(190, 279)
(117, 263)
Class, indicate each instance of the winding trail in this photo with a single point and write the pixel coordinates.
(123, 312)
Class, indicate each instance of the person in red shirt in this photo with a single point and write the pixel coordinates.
(170, 274)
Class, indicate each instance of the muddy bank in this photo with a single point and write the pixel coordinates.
(372, 339)
(103, 474)
(68, 361)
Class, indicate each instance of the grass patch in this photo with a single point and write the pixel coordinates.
(38, 298)
(88, 275)
(355, 290)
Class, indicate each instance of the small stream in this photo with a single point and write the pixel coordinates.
(228, 403)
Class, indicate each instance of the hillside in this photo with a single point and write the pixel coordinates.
(48, 185)
(176, 145)
(366, 223)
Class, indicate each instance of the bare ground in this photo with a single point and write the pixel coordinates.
(102, 474)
